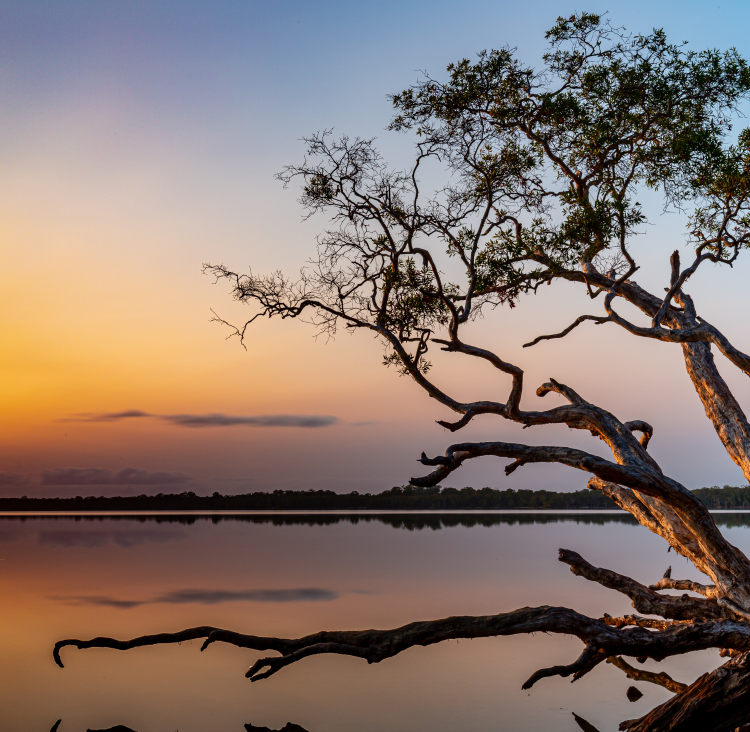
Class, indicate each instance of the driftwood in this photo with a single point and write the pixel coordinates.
(543, 171)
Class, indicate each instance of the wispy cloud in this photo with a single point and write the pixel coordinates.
(213, 597)
(206, 597)
(98, 600)
(213, 419)
(263, 420)
(101, 476)
(12, 479)
(107, 416)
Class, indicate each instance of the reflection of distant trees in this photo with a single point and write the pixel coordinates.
(288, 727)
(407, 521)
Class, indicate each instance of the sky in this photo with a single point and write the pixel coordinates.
(139, 140)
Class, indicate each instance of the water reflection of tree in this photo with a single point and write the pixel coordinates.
(288, 727)
(408, 521)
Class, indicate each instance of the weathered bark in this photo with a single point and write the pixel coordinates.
(687, 624)
(721, 406)
(645, 599)
(709, 627)
(601, 639)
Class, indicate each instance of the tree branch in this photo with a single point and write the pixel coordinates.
(455, 455)
(645, 599)
(601, 640)
(598, 319)
(667, 583)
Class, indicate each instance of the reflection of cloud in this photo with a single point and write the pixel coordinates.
(214, 419)
(100, 476)
(10, 533)
(97, 537)
(207, 597)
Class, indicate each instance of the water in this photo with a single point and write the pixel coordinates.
(290, 575)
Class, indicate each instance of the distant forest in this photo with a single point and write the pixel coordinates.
(396, 499)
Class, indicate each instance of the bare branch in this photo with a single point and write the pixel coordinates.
(598, 319)
(601, 640)
(645, 599)
(646, 430)
(667, 583)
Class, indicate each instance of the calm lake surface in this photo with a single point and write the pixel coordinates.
(289, 575)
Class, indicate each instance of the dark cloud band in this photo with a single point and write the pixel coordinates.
(12, 479)
(214, 419)
(101, 476)
(207, 597)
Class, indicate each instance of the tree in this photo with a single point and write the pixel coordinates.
(543, 169)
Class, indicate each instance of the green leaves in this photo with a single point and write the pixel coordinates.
(319, 188)
(413, 300)
(565, 148)
(542, 174)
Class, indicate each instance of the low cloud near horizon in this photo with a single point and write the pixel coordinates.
(12, 479)
(102, 476)
(207, 597)
(213, 419)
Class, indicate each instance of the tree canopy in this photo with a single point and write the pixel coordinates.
(543, 171)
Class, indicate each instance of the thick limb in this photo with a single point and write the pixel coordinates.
(455, 455)
(601, 638)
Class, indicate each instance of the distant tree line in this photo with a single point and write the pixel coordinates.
(406, 498)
